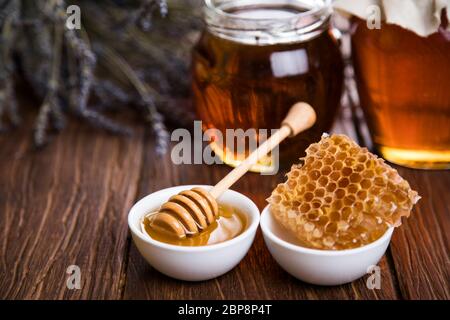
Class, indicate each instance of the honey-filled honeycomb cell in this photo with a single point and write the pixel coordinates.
(342, 197)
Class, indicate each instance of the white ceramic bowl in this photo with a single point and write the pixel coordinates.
(322, 267)
(193, 263)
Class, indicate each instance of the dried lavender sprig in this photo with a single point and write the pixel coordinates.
(143, 17)
(166, 106)
(105, 123)
(51, 100)
(2, 108)
(79, 98)
(153, 116)
(8, 7)
(57, 116)
(49, 110)
(158, 127)
(12, 109)
(54, 110)
(35, 23)
(111, 95)
(87, 60)
(8, 103)
(100, 121)
(164, 62)
(94, 118)
(36, 40)
(163, 8)
(40, 127)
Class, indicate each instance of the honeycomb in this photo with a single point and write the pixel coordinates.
(342, 197)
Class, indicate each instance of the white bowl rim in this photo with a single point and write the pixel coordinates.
(266, 231)
(249, 230)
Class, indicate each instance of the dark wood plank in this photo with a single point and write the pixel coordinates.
(419, 251)
(425, 275)
(144, 282)
(258, 276)
(65, 205)
(421, 246)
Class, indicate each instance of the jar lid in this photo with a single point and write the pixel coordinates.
(420, 16)
(267, 22)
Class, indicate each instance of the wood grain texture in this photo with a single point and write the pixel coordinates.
(258, 276)
(420, 247)
(65, 205)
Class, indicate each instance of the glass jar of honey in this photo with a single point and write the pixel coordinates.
(255, 59)
(404, 86)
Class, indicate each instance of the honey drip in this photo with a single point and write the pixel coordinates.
(230, 224)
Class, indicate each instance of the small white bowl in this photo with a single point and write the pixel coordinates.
(322, 267)
(193, 263)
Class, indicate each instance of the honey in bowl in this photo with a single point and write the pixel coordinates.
(230, 224)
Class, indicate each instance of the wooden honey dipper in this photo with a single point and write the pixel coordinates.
(191, 211)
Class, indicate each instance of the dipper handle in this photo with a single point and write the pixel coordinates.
(301, 116)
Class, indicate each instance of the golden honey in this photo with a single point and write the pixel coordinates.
(403, 82)
(248, 72)
(230, 224)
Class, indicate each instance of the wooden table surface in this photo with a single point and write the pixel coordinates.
(68, 203)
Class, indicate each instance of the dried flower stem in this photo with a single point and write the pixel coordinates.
(51, 99)
(61, 68)
(80, 50)
(153, 116)
(143, 16)
(8, 104)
